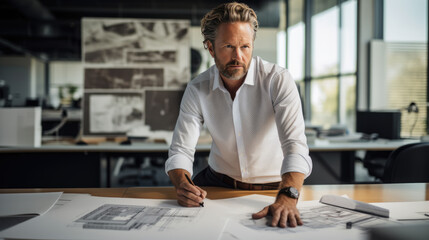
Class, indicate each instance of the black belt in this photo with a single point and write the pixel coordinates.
(242, 185)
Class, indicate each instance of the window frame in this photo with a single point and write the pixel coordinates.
(308, 78)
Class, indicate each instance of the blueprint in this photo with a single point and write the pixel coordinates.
(319, 217)
(320, 221)
(129, 217)
(96, 218)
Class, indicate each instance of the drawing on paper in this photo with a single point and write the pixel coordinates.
(129, 217)
(320, 217)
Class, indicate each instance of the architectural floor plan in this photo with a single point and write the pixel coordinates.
(128, 217)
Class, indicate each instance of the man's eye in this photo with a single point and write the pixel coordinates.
(229, 46)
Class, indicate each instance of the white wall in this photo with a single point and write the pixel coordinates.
(378, 89)
(63, 73)
(66, 72)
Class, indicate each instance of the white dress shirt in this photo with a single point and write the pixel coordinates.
(257, 137)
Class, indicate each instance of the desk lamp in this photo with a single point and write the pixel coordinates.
(410, 109)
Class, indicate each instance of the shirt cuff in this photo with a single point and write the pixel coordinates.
(178, 162)
(297, 163)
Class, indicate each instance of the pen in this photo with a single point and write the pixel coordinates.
(349, 224)
(190, 181)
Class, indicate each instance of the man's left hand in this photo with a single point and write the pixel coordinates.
(284, 212)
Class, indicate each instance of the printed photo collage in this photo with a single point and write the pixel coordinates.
(135, 73)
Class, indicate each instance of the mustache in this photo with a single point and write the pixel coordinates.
(235, 63)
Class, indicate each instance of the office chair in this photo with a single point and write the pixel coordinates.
(375, 162)
(408, 163)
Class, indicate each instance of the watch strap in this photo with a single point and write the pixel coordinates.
(289, 192)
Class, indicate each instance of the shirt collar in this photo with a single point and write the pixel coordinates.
(250, 80)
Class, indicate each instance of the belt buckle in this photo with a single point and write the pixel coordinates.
(234, 182)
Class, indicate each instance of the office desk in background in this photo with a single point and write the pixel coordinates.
(336, 161)
(92, 165)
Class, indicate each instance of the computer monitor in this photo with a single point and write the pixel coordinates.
(387, 124)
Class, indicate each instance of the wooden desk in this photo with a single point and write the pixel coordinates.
(362, 192)
(99, 192)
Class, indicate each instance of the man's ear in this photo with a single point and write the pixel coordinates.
(210, 48)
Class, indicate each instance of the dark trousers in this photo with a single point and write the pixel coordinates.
(208, 179)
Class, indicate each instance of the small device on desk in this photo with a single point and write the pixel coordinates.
(20, 126)
(355, 205)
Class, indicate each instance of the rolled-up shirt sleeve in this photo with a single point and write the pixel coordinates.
(290, 124)
(186, 133)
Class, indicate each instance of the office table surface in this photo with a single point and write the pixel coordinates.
(110, 147)
(406, 192)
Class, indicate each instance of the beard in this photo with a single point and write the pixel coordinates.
(232, 74)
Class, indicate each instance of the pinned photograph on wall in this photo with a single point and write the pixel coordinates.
(158, 56)
(123, 58)
(162, 108)
(113, 113)
(106, 41)
(103, 40)
(174, 78)
(123, 78)
(112, 55)
(159, 32)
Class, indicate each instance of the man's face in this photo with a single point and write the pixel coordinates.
(232, 50)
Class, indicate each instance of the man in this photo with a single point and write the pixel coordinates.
(253, 112)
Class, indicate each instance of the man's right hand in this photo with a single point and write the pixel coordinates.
(187, 194)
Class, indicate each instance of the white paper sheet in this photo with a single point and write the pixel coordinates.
(27, 203)
(320, 221)
(176, 222)
(245, 204)
(403, 211)
(236, 231)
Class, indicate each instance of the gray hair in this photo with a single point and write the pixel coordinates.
(227, 13)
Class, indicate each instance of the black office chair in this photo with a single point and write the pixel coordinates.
(408, 163)
(375, 163)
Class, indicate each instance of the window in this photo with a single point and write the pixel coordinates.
(322, 57)
(405, 39)
(295, 39)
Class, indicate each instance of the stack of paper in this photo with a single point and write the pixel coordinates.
(17, 208)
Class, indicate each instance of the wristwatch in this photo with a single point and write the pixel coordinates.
(290, 192)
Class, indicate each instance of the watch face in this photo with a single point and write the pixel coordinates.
(294, 192)
(290, 192)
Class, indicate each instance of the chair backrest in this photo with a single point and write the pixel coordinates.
(408, 163)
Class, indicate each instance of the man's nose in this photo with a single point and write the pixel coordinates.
(237, 54)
